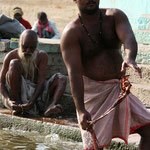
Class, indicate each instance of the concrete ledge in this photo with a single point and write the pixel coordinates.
(48, 45)
(45, 128)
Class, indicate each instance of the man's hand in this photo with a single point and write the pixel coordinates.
(132, 64)
(84, 118)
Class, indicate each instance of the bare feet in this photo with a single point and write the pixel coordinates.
(53, 110)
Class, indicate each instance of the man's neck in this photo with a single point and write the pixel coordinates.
(90, 19)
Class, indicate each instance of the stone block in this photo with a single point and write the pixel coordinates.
(144, 22)
(134, 78)
(143, 55)
(47, 45)
(4, 46)
(52, 69)
(55, 59)
(68, 105)
(142, 36)
(142, 91)
(13, 44)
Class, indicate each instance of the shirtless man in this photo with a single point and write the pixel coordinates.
(91, 49)
(22, 80)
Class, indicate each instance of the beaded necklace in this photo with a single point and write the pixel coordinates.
(100, 29)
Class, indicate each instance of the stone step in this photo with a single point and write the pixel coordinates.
(142, 91)
(144, 22)
(143, 55)
(142, 36)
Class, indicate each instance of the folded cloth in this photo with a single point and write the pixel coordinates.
(27, 90)
(128, 116)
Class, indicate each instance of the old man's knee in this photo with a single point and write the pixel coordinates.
(62, 79)
(15, 65)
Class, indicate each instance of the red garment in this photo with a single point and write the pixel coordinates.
(25, 23)
(48, 28)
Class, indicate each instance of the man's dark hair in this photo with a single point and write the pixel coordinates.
(42, 16)
(17, 8)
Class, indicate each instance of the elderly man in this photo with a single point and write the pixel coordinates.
(45, 28)
(91, 50)
(22, 80)
(18, 13)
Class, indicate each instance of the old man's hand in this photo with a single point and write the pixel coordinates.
(26, 106)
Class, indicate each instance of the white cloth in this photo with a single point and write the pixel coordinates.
(27, 91)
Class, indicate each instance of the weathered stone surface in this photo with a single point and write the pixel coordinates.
(68, 105)
(144, 22)
(142, 91)
(4, 46)
(45, 128)
(134, 77)
(48, 45)
(143, 55)
(13, 44)
(142, 36)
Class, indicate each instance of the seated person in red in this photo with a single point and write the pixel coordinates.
(18, 13)
(45, 28)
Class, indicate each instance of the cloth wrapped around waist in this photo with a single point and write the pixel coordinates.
(27, 91)
(128, 116)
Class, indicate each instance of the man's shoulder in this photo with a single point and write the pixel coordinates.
(42, 53)
(72, 27)
(113, 11)
(12, 54)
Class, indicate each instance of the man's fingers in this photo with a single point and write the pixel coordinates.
(123, 68)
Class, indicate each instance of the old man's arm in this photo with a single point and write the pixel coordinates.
(3, 90)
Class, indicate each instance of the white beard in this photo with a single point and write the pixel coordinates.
(28, 63)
